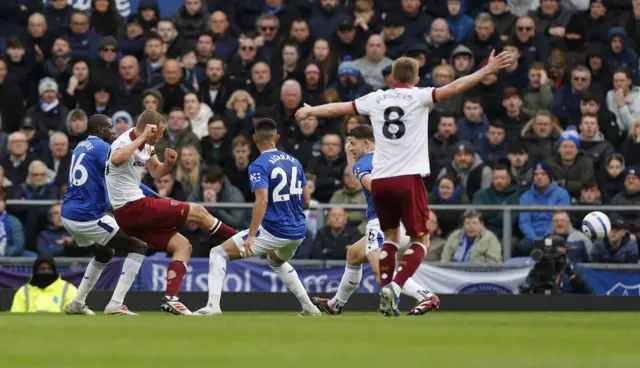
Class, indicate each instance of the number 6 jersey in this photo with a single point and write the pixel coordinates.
(400, 118)
(282, 175)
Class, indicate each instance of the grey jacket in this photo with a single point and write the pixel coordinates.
(628, 112)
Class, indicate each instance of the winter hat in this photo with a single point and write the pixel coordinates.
(348, 67)
(465, 147)
(47, 84)
(570, 134)
(108, 41)
(547, 169)
(312, 68)
(632, 171)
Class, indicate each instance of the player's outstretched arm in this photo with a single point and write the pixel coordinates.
(325, 111)
(461, 85)
(123, 154)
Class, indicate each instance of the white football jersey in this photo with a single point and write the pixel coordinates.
(123, 182)
(400, 118)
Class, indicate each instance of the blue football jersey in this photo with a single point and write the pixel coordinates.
(86, 198)
(282, 175)
(361, 168)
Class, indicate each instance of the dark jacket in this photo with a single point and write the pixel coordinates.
(441, 149)
(330, 245)
(16, 175)
(535, 49)
(610, 186)
(109, 23)
(58, 21)
(130, 100)
(489, 196)
(213, 153)
(355, 49)
(235, 218)
(84, 46)
(604, 252)
(598, 149)
(438, 53)
(327, 173)
(539, 149)
(222, 96)
(190, 26)
(25, 75)
(471, 180)
(489, 153)
(304, 148)
(627, 57)
(472, 131)
(226, 47)
(574, 176)
(566, 104)
(351, 93)
(46, 243)
(34, 219)
(173, 96)
(448, 220)
(631, 152)
(323, 23)
(239, 177)
(54, 120)
(63, 168)
(182, 139)
(461, 26)
(11, 107)
(624, 198)
(105, 74)
(417, 26)
(482, 49)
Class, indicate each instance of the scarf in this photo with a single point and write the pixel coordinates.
(455, 193)
(48, 107)
(4, 229)
(464, 247)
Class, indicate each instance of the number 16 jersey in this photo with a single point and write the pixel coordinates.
(400, 118)
(283, 177)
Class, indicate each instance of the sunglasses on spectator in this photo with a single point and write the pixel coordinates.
(268, 28)
(247, 48)
(521, 29)
(109, 49)
(580, 79)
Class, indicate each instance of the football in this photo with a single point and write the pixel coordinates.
(596, 225)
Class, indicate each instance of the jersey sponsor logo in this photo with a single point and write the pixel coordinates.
(138, 164)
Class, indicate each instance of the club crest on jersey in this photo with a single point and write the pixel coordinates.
(174, 203)
(255, 177)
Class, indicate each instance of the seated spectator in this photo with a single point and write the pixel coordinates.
(37, 136)
(351, 121)
(619, 52)
(566, 101)
(513, 117)
(191, 19)
(11, 232)
(305, 142)
(351, 193)
(515, 75)
(198, 114)
(45, 292)
(501, 192)
(192, 71)
(441, 76)
(106, 69)
(538, 95)
(551, 18)
(78, 93)
(461, 25)
(473, 126)
(312, 84)
(49, 112)
(55, 240)
(310, 213)
(448, 191)
(373, 61)
(462, 61)
(590, 105)
(155, 56)
(473, 243)
(570, 166)
(624, 99)
(493, 146)
(541, 134)
(216, 147)
(503, 18)
(441, 143)
(172, 88)
(11, 101)
(217, 87)
(21, 68)
(103, 101)
(589, 196)
(290, 67)
(58, 16)
(436, 240)
(105, 19)
(237, 172)
(167, 186)
(617, 247)
(328, 168)
(321, 54)
(76, 127)
(579, 246)
(216, 188)
(189, 168)
(484, 38)
(467, 165)
(612, 181)
(593, 143)
(520, 166)
(16, 163)
(241, 106)
(58, 159)
(177, 134)
(336, 237)
(544, 192)
(395, 35)
(629, 196)
(84, 41)
(350, 85)
(123, 121)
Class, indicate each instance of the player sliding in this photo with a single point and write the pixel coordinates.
(399, 117)
(83, 208)
(360, 149)
(154, 220)
(278, 223)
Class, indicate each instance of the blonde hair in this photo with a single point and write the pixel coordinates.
(241, 93)
(189, 179)
(632, 131)
(405, 70)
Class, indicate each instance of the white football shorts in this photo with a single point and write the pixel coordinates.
(86, 233)
(264, 243)
(374, 237)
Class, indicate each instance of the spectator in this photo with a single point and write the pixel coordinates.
(58, 159)
(579, 246)
(152, 100)
(473, 126)
(105, 18)
(311, 214)
(105, 68)
(367, 17)
(11, 101)
(78, 93)
(467, 165)
(351, 193)
(129, 86)
(45, 292)
(198, 114)
(172, 88)
(624, 99)
(484, 39)
(305, 141)
(39, 40)
(551, 19)
(189, 169)
(216, 88)
(472, 244)
(566, 102)
(241, 107)
(167, 186)
(191, 19)
(268, 42)
(418, 51)
(441, 142)
(239, 70)
(103, 101)
(6, 185)
(523, 7)
(589, 196)
(570, 166)
(503, 18)
(600, 73)
(619, 53)
(538, 95)
(541, 134)
(513, 116)
(83, 40)
(175, 43)
(351, 121)
(290, 102)
(321, 54)
(37, 136)
(501, 192)
(216, 188)
(226, 43)
(544, 192)
(492, 147)
(631, 147)
(348, 41)
(371, 64)
(336, 237)
(350, 85)
(612, 182)
(194, 61)
(133, 43)
(596, 22)
(593, 143)
(21, 68)
(313, 85)
(216, 147)
(11, 232)
(16, 163)
(448, 191)
(177, 134)
(325, 18)
(436, 240)
(55, 240)
(329, 167)
(440, 44)
(155, 56)
(461, 25)
(516, 74)
(617, 247)
(237, 172)
(629, 196)
(590, 105)
(301, 36)
(58, 15)
(462, 61)
(416, 21)
(395, 35)
(263, 90)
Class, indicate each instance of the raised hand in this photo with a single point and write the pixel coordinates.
(170, 156)
(497, 63)
(149, 130)
(303, 112)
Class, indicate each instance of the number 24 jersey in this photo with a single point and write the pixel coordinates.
(400, 118)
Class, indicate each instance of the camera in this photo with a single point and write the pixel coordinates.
(546, 277)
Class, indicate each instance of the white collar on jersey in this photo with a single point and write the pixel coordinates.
(270, 150)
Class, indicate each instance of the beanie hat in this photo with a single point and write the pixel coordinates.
(47, 84)
(348, 67)
(547, 169)
(571, 135)
(312, 68)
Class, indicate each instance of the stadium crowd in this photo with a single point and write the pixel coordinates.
(560, 126)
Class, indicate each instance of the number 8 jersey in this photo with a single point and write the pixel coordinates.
(282, 175)
(400, 118)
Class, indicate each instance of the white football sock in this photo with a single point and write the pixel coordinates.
(290, 278)
(414, 290)
(91, 276)
(218, 259)
(130, 270)
(349, 282)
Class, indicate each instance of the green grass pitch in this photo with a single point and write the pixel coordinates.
(283, 340)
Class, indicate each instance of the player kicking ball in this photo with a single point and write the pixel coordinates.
(154, 220)
(360, 148)
(83, 215)
(399, 117)
(278, 223)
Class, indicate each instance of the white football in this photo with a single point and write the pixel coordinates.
(596, 225)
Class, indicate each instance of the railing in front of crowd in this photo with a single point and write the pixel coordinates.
(506, 212)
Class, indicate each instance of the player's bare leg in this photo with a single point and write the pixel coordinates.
(209, 224)
(136, 249)
(181, 249)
